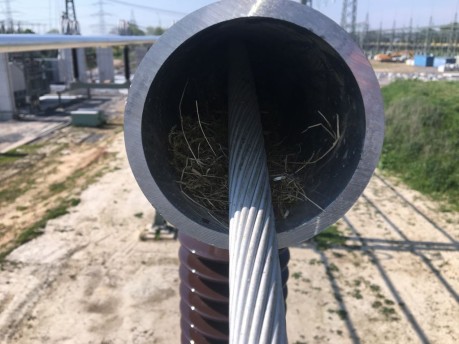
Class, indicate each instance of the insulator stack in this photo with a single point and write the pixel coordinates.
(204, 290)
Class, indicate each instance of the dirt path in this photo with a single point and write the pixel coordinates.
(43, 179)
(89, 279)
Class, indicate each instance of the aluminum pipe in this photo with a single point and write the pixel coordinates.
(307, 71)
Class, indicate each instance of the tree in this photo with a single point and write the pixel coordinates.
(134, 30)
(155, 31)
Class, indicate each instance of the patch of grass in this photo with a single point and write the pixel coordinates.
(26, 149)
(57, 187)
(5, 253)
(13, 155)
(9, 194)
(422, 136)
(376, 304)
(329, 237)
(30, 233)
(333, 268)
(297, 275)
(314, 261)
(388, 311)
(21, 208)
(74, 202)
(8, 159)
(36, 228)
(374, 287)
(342, 314)
(138, 215)
(357, 294)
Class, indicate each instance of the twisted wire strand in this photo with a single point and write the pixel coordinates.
(256, 310)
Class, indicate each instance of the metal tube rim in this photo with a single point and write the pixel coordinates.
(301, 16)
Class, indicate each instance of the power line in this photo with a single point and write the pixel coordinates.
(148, 8)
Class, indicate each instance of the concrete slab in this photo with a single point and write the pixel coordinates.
(14, 133)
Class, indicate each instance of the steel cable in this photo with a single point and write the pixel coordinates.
(257, 309)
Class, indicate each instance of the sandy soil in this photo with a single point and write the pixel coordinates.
(89, 279)
(53, 170)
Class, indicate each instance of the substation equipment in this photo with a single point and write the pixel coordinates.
(302, 63)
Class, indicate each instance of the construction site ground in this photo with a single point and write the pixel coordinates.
(397, 67)
(77, 271)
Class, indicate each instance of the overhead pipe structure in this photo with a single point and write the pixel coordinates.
(309, 79)
(24, 43)
(27, 42)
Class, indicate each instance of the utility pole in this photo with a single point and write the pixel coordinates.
(349, 16)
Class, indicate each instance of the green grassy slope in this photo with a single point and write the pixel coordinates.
(422, 136)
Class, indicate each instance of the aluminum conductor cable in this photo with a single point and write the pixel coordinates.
(256, 309)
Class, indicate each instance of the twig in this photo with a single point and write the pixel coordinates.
(200, 126)
(181, 121)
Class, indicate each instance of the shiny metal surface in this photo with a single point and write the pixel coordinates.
(257, 311)
(21, 43)
(298, 54)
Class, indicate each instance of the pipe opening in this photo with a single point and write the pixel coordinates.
(309, 102)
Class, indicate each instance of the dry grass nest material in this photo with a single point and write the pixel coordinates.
(199, 151)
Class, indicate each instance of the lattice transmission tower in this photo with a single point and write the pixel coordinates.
(69, 22)
(349, 16)
(102, 26)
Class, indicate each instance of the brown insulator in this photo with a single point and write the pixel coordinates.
(204, 290)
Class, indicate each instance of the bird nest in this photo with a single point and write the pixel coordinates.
(199, 154)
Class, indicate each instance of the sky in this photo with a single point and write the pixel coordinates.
(45, 14)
